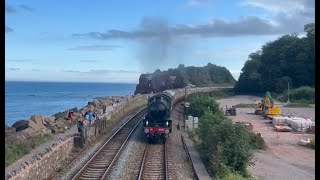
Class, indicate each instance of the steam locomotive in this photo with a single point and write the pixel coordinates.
(157, 122)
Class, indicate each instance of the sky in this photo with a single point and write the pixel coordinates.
(116, 41)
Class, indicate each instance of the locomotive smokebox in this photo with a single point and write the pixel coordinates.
(158, 110)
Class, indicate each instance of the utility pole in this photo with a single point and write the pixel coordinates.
(185, 92)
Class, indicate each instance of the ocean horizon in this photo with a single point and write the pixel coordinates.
(26, 98)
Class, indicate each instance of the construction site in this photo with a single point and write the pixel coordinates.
(287, 131)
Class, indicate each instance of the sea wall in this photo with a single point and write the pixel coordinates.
(51, 159)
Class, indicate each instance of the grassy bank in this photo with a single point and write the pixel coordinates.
(301, 95)
(16, 150)
(220, 94)
(225, 148)
(297, 105)
(129, 107)
(245, 105)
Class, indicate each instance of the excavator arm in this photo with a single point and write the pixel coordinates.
(268, 100)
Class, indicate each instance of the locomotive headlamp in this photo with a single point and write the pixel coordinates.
(147, 123)
(146, 131)
(167, 123)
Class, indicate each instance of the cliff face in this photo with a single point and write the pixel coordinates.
(209, 75)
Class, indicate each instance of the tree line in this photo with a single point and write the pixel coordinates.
(286, 59)
(209, 75)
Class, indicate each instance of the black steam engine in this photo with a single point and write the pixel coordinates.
(157, 122)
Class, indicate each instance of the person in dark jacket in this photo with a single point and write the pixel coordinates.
(80, 126)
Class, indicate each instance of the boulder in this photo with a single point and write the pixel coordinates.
(28, 133)
(34, 126)
(60, 123)
(37, 119)
(63, 114)
(52, 119)
(20, 125)
(77, 114)
(46, 121)
(95, 103)
(75, 109)
(9, 130)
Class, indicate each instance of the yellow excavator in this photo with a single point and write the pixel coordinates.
(267, 108)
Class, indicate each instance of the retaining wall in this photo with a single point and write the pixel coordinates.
(45, 165)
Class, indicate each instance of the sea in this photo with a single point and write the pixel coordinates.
(23, 99)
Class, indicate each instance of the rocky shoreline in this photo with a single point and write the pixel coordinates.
(56, 124)
(59, 122)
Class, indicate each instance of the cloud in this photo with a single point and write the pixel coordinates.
(112, 71)
(199, 3)
(160, 41)
(8, 29)
(24, 60)
(95, 48)
(26, 8)
(283, 6)
(102, 71)
(9, 9)
(35, 69)
(14, 69)
(252, 25)
(72, 71)
(222, 52)
(89, 61)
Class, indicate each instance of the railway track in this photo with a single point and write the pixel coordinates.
(101, 162)
(154, 163)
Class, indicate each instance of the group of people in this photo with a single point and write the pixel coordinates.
(89, 116)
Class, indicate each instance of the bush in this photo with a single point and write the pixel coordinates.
(257, 142)
(245, 105)
(297, 105)
(312, 144)
(303, 94)
(225, 148)
(199, 103)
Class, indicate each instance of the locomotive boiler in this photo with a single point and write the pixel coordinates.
(157, 122)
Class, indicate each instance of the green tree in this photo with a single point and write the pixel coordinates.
(286, 59)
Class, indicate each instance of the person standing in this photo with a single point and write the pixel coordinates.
(80, 126)
(89, 117)
(71, 117)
